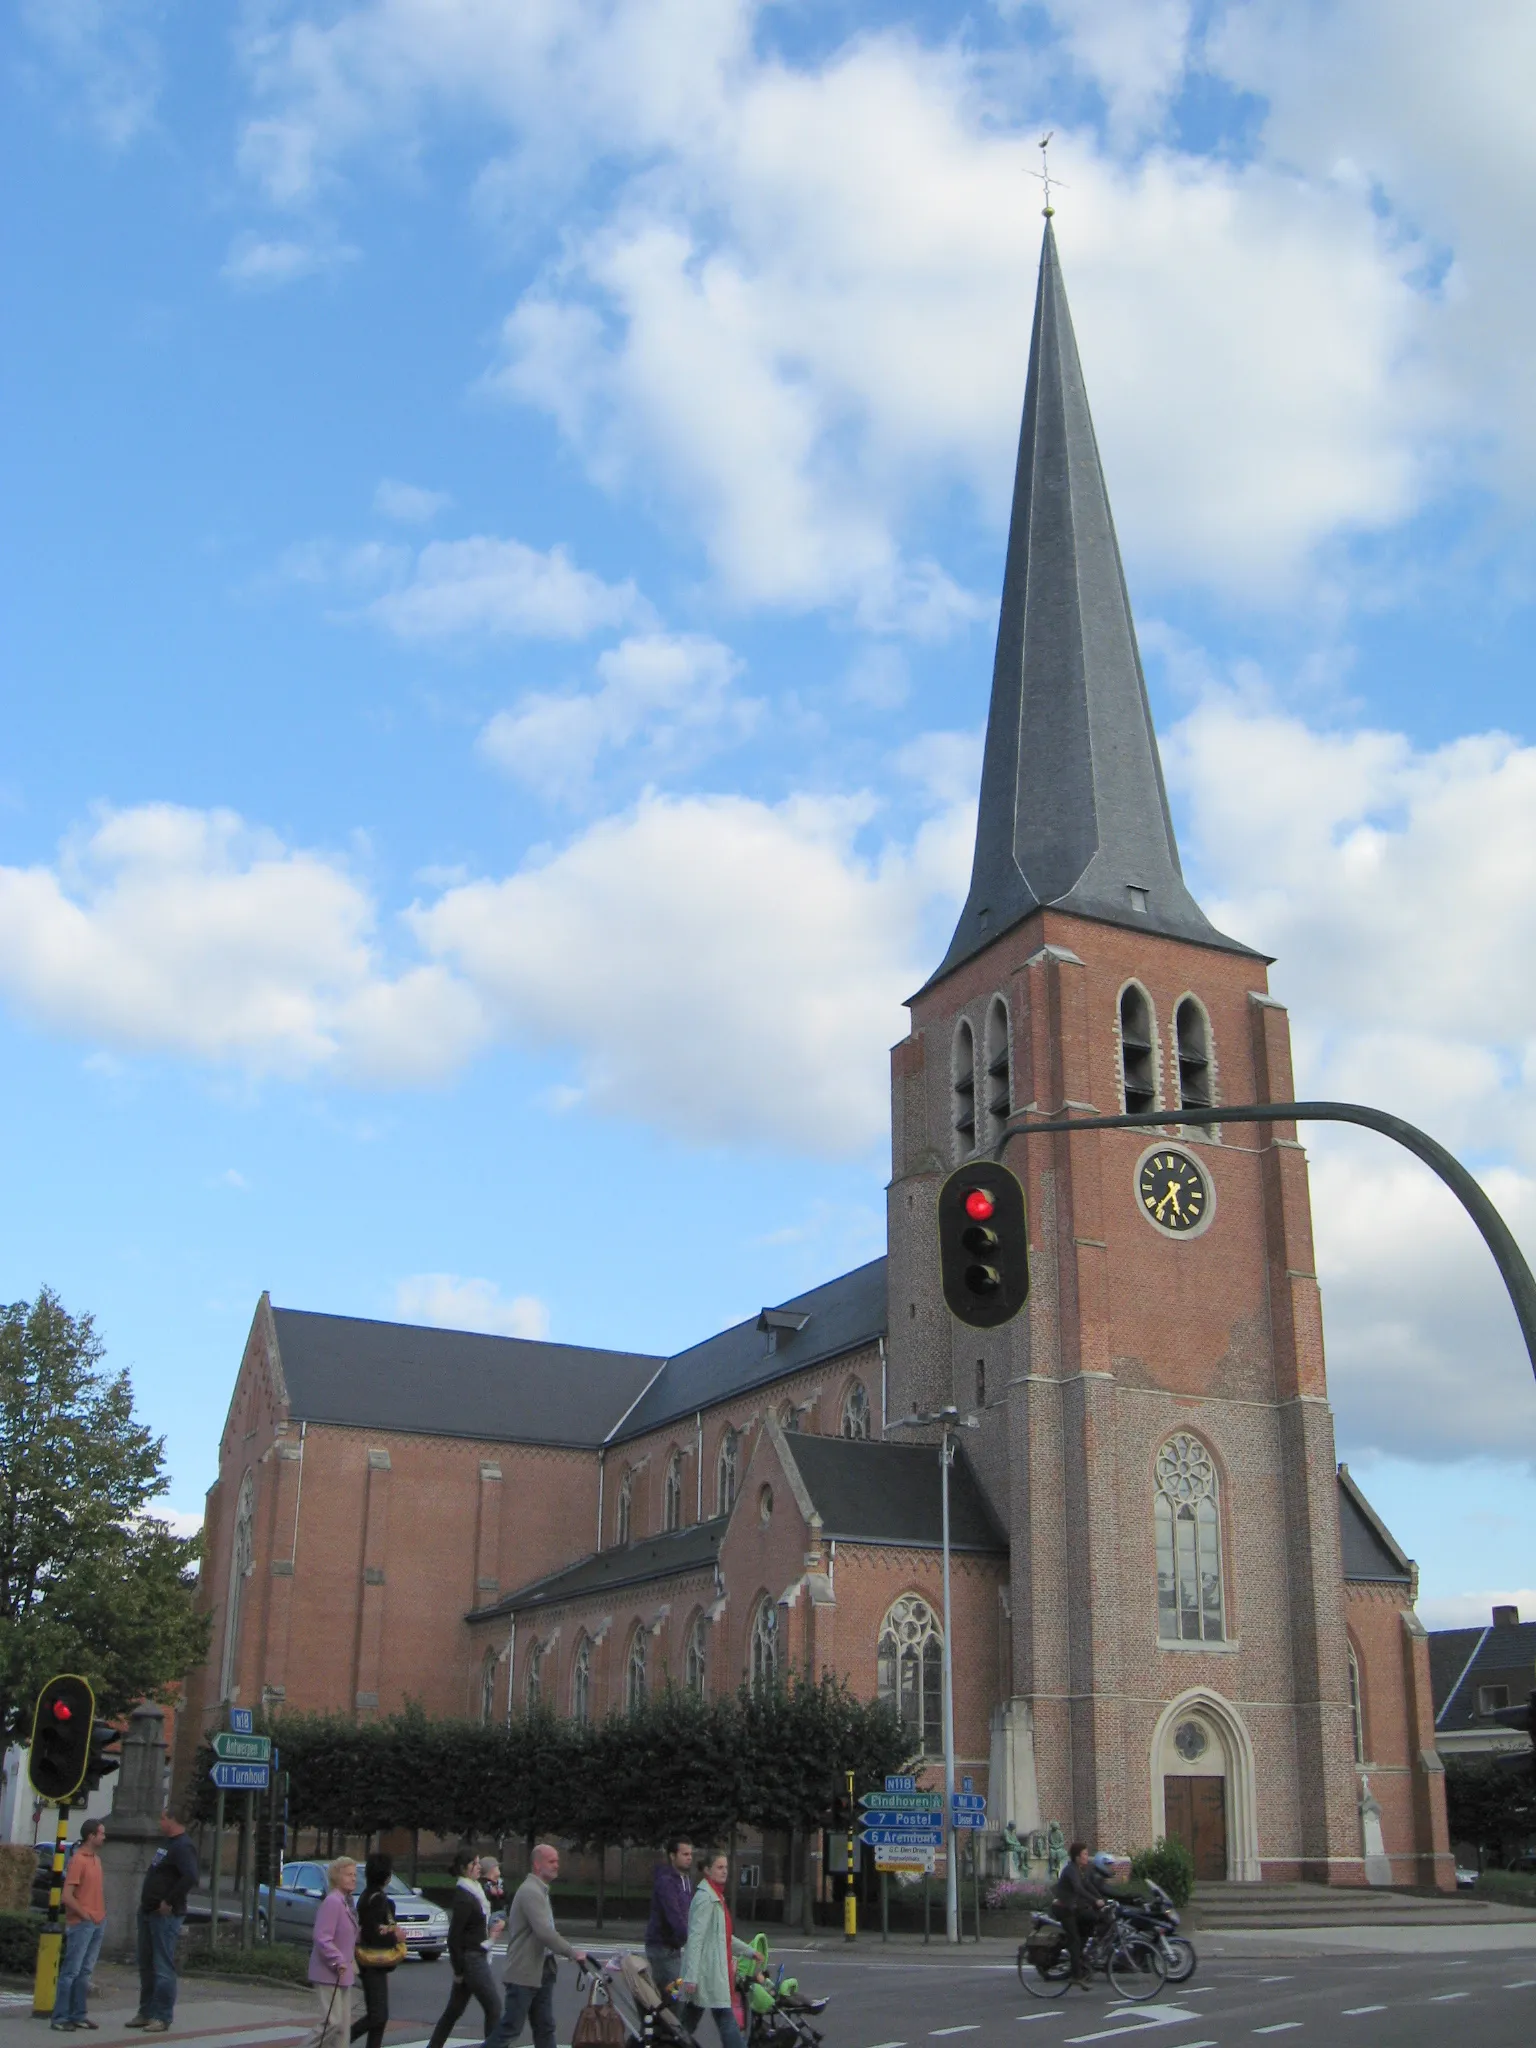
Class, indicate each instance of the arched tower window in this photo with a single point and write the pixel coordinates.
(1138, 1061)
(1356, 1705)
(696, 1658)
(1193, 1032)
(765, 1645)
(242, 1562)
(672, 1496)
(535, 1679)
(964, 1087)
(725, 1472)
(621, 1513)
(1191, 1607)
(999, 1091)
(910, 1670)
(855, 1422)
(634, 1672)
(488, 1665)
(581, 1681)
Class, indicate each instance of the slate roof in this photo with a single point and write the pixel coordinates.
(345, 1369)
(625, 1564)
(1073, 812)
(841, 1315)
(1370, 1550)
(891, 1493)
(1462, 1660)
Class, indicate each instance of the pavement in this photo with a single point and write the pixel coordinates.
(1378, 1987)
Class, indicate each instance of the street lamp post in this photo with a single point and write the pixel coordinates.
(948, 1420)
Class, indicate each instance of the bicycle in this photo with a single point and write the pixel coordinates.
(1131, 1961)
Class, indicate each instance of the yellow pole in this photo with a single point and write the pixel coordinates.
(850, 1898)
(50, 1942)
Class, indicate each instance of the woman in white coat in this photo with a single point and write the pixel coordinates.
(709, 1972)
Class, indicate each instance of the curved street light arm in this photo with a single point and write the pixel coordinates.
(1507, 1255)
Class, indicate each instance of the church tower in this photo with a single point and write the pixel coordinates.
(1155, 1430)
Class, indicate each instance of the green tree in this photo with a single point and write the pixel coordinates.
(1491, 1802)
(88, 1581)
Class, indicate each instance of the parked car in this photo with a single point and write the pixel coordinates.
(293, 1906)
(1466, 1877)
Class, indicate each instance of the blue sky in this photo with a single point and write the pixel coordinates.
(500, 567)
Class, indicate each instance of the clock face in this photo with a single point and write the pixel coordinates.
(1173, 1191)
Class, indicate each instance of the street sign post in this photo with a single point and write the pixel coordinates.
(903, 1838)
(241, 1777)
(242, 1749)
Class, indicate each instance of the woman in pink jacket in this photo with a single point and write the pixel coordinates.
(331, 1968)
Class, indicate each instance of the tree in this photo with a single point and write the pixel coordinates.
(1490, 1801)
(88, 1581)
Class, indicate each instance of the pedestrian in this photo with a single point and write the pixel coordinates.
(667, 1929)
(1079, 1902)
(709, 1955)
(491, 1884)
(333, 1957)
(85, 1921)
(163, 1898)
(469, 1943)
(379, 1948)
(533, 1943)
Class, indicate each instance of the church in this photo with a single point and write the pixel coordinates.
(1172, 1611)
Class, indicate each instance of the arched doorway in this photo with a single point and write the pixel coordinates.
(1203, 1786)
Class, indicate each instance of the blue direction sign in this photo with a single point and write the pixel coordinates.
(925, 1817)
(968, 1802)
(901, 1784)
(241, 1777)
(903, 1838)
(967, 1819)
(242, 1721)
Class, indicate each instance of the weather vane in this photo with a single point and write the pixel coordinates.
(1044, 174)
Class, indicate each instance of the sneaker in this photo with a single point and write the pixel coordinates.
(140, 2019)
(157, 2026)
(61, 2026)
(91, 2026)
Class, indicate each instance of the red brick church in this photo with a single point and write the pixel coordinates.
(1172, 1611)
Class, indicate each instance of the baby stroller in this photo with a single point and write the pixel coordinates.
(778, 2016)
(624, 1987)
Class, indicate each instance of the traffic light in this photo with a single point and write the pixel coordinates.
(61, 1739)
(983, 1244)
(100, 1763)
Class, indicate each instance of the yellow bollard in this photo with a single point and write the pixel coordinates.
(50, 1942)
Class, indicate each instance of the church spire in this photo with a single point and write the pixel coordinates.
(1074, 813)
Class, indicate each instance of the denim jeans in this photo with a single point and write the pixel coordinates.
(525, 2002)
(476, 1982)
(726, 2026)
(158, 1936)
(82, 1945)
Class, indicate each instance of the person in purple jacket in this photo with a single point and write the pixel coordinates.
(666, 1931)
(332, 1970)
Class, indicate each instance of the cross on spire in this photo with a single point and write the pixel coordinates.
(1044, 174)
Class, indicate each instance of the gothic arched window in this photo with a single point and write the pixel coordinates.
(765, 1645)
(1138, 1061)
(998, 1092)
(910, 1670)
(855, 1422)
(1193, 1031)
(634, 1671)
(725, 1472)
(1356, 1705)
(621, 1513)
(696, 1658)
(1190, 1604)
(242, 1562)
(488, 1664)
(581, 1681)
(535, 1679)
(672, 1495)
(963, 1087)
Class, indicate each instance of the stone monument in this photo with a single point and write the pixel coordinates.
(133, 1826)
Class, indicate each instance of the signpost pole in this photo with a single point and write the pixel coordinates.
(218, 1858)
(885, 1905)
(50, 1941)
(248, 1897)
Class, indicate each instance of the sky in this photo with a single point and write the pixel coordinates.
(503, 533)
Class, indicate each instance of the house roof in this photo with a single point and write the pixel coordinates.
(891, 1493)
(398, 1376)
(839, 1316)
(1463, 1660)
(1371, 1552)
(670, 1556)
(1074, 813)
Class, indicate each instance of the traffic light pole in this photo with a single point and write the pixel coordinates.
(951, 1875)
(1507, 1255)
(50, 1942)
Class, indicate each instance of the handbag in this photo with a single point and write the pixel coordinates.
(386, 1955)
(599, 2024)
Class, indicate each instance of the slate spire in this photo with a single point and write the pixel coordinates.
(1074, 813)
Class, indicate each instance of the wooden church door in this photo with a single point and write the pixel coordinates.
(1195, 1811)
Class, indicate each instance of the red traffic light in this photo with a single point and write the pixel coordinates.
(62, 1711)
(980, 1203)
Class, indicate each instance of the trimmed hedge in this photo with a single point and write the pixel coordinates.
(1509, 1887)
(278, 1963)
(18, 1944)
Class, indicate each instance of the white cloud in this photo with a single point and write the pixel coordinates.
(443, 1301)
(409, 503)
(665, 697)
(762, 958)
(1474, 1610)
(182, 1521)
(107, 55)
(258, 263)
(488, 586)
(171, 930)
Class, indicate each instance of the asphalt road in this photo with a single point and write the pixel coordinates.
(913, 2000)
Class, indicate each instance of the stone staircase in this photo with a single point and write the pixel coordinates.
(1265, 1906)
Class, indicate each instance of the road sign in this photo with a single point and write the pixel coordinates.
(902, 1838)
(970, 1820)
(906, 1862)
(241, 1777)
(243, 1749)
(892, 1802)
(900, 1817)
(242, 1721)
(968, 1802)
(901, 1784)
